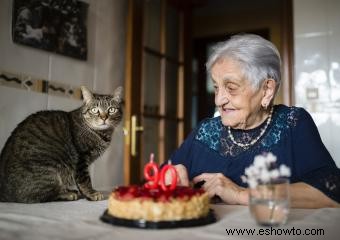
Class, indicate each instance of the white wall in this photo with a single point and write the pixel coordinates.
(317, 66)
(103, 71)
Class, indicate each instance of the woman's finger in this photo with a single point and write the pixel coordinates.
(211, 184)
(182, 173)
(203, 177)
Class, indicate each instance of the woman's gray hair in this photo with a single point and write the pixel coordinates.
(259, 59)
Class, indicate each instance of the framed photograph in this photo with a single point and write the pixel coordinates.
(58, 26)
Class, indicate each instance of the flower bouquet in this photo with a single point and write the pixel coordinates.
(268, 190)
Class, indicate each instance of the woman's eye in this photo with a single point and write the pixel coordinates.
(94, 110)
(231, 88)
(112, 110)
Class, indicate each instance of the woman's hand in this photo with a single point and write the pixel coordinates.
(182, 175)
(220, 185)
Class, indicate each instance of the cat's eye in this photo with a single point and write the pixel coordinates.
(112, 110)
(94, 110)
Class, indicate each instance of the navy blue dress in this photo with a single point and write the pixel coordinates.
(292, 136)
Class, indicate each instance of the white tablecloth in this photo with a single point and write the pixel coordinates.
(80, 220)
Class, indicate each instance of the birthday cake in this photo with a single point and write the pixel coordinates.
(156, 204)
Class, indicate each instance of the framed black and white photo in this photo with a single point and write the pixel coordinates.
(58, 26)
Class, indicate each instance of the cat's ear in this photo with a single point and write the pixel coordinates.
(87, 95)
(118, 94)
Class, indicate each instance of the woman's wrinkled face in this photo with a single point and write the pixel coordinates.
(239, 104)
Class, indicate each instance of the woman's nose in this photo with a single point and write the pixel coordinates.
(221, 97)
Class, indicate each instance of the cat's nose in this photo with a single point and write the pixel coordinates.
(103, 116)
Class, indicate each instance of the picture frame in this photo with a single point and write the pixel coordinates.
(58, 26)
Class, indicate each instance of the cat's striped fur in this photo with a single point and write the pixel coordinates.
(50, 151)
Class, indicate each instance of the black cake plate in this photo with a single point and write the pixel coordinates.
(210, 218)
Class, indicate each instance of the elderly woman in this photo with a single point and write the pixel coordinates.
(246, 74)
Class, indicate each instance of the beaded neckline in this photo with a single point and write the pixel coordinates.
(252, 142)
(214, 134)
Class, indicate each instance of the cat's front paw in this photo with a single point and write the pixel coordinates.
(95, 196)
(68, 196)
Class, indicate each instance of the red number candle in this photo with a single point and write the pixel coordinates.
(154, 178)
(173, 172)
(157, 178)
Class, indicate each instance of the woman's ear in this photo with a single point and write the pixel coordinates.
(269, 88)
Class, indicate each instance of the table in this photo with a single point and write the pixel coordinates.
(80, 220)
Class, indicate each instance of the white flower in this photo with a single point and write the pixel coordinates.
(252, 183)
(271, 158)
(284, 171)
(260, 161)
(265, 176)
(274, 174)
(262, 171)
(247, 171)
(252, 171)
(244, 179)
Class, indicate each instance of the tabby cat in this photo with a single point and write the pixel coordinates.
(50, 151)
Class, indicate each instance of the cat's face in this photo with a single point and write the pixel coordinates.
(102, 112)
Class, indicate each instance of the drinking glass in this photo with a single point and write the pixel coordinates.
(270, 202)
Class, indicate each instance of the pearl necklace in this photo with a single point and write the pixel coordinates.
(263, 130)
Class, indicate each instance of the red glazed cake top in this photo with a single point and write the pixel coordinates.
(158, 195)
